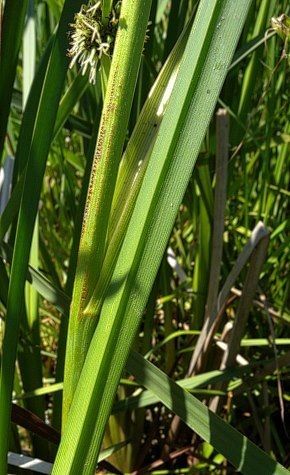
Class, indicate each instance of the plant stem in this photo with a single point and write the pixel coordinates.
(112, 133)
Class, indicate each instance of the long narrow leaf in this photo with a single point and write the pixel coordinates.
(246, 457)
(112, 133)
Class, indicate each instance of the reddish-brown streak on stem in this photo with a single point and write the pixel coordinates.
(111, 107)
(109, 110)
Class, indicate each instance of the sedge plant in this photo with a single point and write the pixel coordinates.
(125, 261)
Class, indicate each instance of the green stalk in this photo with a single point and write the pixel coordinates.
(200, 78)
(112, 133)
(30, 361)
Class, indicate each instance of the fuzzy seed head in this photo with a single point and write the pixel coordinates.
(281, 24)
(90, 38)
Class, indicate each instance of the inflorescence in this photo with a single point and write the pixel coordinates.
(281, 24)
(91, 38)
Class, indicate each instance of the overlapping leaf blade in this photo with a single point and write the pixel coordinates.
(203, 69)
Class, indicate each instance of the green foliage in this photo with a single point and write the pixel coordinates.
(144, 269)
